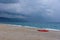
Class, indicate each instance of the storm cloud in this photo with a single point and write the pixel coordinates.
(36, 10)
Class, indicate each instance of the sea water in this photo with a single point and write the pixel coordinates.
(50, 26)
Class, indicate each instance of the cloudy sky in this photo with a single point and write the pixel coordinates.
(33, 10)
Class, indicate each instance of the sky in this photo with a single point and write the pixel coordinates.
(32, 10)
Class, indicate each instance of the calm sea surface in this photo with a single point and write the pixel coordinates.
(38, 25)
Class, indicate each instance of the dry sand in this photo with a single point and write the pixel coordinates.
(22, 33)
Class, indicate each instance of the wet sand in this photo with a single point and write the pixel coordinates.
(8, 32)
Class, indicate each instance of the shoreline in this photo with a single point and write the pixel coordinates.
(31, 27)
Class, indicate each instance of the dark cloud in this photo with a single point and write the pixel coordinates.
(12, 15)
(9, 1)
(37, 10)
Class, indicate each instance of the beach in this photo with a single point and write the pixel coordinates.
(9, 32)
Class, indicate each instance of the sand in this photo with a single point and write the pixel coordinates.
(8, 32)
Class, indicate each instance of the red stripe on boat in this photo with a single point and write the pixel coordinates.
(43, 30)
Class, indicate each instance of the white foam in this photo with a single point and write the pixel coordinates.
(29, 27)
(51, 29)
(13, 25)
(20, 26)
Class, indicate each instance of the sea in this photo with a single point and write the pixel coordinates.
(49, 26)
